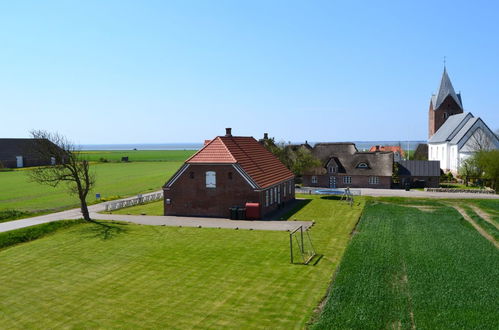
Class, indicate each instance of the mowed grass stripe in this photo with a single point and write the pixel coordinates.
(402, 261)
(163, 277)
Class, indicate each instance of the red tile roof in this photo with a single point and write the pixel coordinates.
(388, 148)
(260, 164)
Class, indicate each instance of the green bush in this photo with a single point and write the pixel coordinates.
(11, 214)
(27, 234)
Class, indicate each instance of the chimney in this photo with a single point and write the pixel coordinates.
(377, 148)
(228, 132)
(265, 136)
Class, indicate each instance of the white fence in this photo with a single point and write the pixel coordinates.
(133, 201)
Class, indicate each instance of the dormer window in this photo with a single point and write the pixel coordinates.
(332, 169)
(362, 165)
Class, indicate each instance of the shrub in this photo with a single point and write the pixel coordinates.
(11, 214)
(103, 160)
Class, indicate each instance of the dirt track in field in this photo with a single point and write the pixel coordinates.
(485, 216)
(476, 226)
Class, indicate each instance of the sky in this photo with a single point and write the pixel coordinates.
(105, 72)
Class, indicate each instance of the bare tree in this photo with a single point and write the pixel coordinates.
(67, 166)
(480, 140)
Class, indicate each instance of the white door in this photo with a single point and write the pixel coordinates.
(332, 182)
(19, 161)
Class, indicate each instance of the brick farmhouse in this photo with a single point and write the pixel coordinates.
(16, 153)
(344, 166)
(228, 171)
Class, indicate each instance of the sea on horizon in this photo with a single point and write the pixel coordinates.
(361, 145)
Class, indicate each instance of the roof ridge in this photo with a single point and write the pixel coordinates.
(230, 153)
(206, 146)
(245, 153)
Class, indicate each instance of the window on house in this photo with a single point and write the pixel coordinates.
(271, 196)
(211, 179)
(362, 165)
(267, 198)
(290, 184)
(191, 175)
(230, 175)
(314, 179)
(373, 180)
(275, 194)
(332, 169)
(284, 186)
(347, 179)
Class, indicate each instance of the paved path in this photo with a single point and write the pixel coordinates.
(156, 220)
(174, 221)
(410, 193)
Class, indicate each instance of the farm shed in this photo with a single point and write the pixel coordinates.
(228, 171)
(15, 153)
(419, 173)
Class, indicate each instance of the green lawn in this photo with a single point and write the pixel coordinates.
(408, 268)
(113, 179)
(138, 155)
(164, 277)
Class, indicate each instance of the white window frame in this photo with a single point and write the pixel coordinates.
(290, 184)
(279, 194)
(374, 180)
(347, 179)
(211, 179)
(271, 197)
(266, 198)
(364, 165)
(314, 179)
(284, 188)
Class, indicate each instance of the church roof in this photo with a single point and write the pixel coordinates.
(445, 90)
(451, 127)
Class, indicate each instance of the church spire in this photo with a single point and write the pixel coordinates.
(445, 90)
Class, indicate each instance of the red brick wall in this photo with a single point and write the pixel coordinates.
(436, 118)
(358, 181)
(284, 198)
(190, 196)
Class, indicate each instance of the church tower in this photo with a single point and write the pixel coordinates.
(442, 105)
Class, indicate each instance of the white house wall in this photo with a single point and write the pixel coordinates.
(440, 152)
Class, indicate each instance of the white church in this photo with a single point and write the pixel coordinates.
(454, 135)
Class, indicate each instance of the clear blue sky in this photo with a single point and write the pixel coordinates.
(162, 71)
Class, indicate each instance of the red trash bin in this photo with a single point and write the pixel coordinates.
(252, 211)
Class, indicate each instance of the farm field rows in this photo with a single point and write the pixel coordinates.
(156, 277)
(417, 264)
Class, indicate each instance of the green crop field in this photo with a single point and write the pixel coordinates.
(415, 268)
(138, 155)
(112, 179)
(147, 171)
(164, 277)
